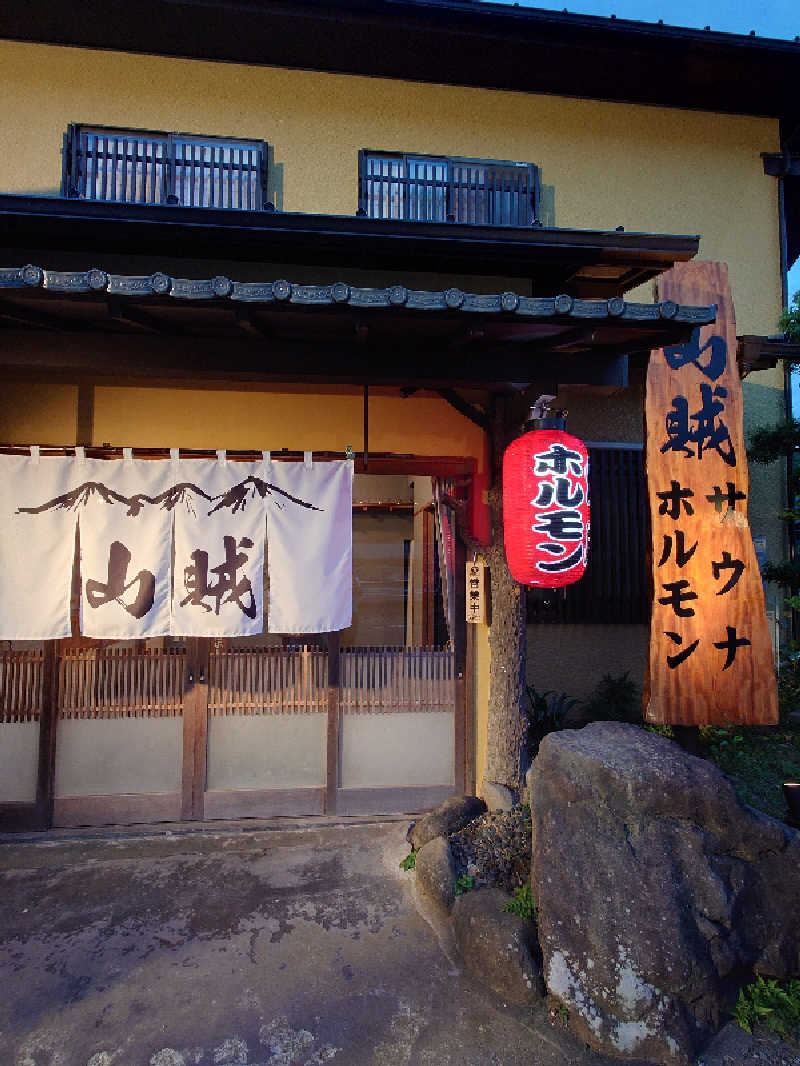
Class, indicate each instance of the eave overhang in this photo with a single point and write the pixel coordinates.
(491, 45)
(600, 264)
(754, 352)
(340, 333)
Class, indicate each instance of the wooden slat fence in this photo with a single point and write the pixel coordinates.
(121, 683)
(21, 693)
(140, 683)
(381, 680)
(268, 681)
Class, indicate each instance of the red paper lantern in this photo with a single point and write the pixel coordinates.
(546, 508)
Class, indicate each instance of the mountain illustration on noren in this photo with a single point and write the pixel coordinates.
(235, 499)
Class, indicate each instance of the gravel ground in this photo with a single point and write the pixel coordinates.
(495, 849)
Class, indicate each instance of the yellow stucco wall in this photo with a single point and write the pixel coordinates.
(644, 168)
(283, 417)
(603, 165)
(32, 413)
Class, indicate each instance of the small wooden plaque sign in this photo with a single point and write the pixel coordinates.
(710, 658)
(476, 592)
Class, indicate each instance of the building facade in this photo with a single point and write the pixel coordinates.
(285, 242)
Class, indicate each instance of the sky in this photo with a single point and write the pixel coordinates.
(779, 19)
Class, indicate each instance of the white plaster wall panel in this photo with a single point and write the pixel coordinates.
(112, 756)
(385, 750)
(19, 760)
(266, 751)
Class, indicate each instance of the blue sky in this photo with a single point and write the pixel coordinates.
(778, 18)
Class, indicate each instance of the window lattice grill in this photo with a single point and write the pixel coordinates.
(125, 166)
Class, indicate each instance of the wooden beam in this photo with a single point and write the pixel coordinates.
(248, 323)
(474, 414)
(30, 316)
(122, 311)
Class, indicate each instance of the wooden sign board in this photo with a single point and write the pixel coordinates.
(710, 656)
(476, 592)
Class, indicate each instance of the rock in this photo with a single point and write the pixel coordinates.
(498, 948)
(529, 782)
(576, 717)
(498, 797)
(495, 848)
(732, 1046)
(436, 871)
(448, 818)
(658, 892)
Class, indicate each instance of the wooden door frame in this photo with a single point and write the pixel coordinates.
(195, 728)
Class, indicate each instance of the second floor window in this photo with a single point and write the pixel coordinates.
(144, 167)
(447, 189)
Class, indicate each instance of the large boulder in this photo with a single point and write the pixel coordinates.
(658, 892)
(497, 947)
(445, 819)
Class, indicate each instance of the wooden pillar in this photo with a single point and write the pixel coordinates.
(84, 419)
(195, 728)
(461, 717)
(48, 725)
(332, 762)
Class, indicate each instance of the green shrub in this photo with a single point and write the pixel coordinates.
(757, 760)
(772, 1003)
(616, 699)
(546, 713)
(522, 903)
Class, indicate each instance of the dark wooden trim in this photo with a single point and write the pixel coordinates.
(334, 725)
(410, 800)
(781, 164)
(474, 414)
(264, 803)
(454, 43)
(427, 576)
(48, 732)
(380, 462)
(340, 241)
(20, 818)
(122, 809)
(84, 429)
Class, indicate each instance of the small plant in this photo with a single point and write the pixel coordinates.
(660, 730)
(464, 884)
(546, 714)
(522, 903)
(772, 1003)
(616, 699)
(409, 862)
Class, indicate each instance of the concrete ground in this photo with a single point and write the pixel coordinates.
(297, 945)
(281, 944)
